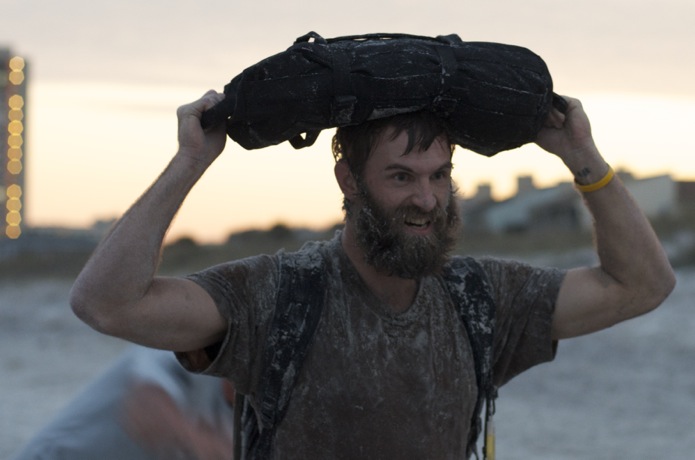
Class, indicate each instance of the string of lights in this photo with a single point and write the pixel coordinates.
(13, 143)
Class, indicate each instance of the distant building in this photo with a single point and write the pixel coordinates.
(534, 208)
(686, 194)
(561, 208)
(13, 84)
(473, 209)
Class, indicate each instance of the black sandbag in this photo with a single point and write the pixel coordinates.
(492, 96)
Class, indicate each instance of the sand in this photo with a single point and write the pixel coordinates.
(624, 393)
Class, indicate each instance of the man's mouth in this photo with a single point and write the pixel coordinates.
(418, 223)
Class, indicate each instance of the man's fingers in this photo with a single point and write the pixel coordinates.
(211, 99)
(556, 119)
(196, 108)
(560, 103)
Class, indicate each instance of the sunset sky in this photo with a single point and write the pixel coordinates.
(106, 79)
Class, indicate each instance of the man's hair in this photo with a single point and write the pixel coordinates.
(355, 143)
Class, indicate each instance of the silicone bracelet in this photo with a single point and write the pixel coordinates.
(597, 185)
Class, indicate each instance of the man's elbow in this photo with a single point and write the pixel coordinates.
(668, 284)
(81, 305)
(658, 288)
(87, 308)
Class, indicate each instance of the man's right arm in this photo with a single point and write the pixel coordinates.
(118, 292)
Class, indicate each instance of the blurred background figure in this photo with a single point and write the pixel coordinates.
(144, 406)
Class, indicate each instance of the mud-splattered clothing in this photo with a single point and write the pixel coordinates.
(378, 384)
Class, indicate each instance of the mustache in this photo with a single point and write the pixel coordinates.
(411, 212)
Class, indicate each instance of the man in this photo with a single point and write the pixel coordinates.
(390, 371)
(145, 406)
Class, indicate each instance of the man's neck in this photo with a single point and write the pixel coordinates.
(398, 293)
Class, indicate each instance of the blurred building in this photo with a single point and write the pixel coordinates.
(560, 208)
(13, 84)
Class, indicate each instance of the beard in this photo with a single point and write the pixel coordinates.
(389, 248)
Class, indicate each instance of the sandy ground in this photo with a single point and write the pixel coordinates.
(625, 393)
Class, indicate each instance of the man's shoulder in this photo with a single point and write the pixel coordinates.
(460, 261)
(461, 266)
(313, 254)
(466, 280)
(490, 266)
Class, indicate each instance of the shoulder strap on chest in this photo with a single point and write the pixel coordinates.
(297, 313)
(468, 287)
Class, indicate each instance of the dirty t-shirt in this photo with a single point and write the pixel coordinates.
(378, 384)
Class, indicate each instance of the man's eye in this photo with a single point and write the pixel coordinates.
(400, 177)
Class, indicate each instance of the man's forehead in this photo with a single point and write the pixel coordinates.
(390, 138)
(393, 142)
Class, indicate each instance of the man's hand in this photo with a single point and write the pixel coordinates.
(194, 142)
(568, 135)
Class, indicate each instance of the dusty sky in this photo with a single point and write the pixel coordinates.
(106, 78)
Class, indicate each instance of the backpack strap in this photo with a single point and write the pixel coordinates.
(468, 287)
(297, 313)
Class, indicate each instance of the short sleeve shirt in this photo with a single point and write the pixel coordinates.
(379, 384)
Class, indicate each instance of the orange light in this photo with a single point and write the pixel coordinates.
(14, 153)
(15, 127)
(15, 140)
(17, 64)
(14, 204)
(13, 232)
(14, 191)
(13, 218)
(14, 167)
(16, 78)
(16, 102)
(15, 115)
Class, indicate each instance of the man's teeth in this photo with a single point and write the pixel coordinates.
(418, 222)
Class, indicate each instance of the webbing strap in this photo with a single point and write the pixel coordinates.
(445, 104)
(297, 314)
(299, 305)
(468, 288)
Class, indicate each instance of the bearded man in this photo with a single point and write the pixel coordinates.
(390, 372)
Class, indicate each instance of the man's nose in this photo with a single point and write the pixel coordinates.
(424, 196)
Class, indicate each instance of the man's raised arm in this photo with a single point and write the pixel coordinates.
(118, 292)
(634, 275)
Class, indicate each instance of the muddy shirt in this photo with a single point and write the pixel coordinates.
(378, 384)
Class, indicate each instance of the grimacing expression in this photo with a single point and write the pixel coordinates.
(382, 236)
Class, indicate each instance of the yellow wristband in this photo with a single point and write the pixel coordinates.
(597, 185)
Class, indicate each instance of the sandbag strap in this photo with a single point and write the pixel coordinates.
(309, 36)
(444, 104)
(344, 100)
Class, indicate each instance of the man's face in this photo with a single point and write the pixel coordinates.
(406, 215)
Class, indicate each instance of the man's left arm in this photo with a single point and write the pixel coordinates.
(634, 275)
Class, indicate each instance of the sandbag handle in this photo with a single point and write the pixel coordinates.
(451, 39)
(309, 36)
(219, 113)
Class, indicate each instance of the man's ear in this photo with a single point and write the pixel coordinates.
(345, 179)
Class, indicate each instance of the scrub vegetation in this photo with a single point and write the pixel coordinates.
(561, 248)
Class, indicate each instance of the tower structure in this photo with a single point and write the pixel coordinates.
(13, 84)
